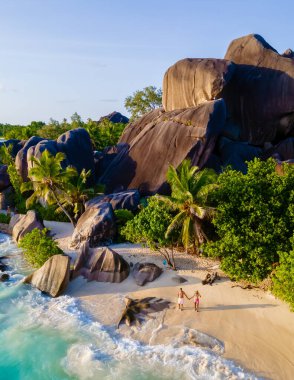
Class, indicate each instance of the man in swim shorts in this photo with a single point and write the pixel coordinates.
(181, 295)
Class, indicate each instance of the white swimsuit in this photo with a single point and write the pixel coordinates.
(181, 301)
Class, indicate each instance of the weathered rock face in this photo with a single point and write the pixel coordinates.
(283, 151)
(52, 277)
(96, 225)
(168, 140)
(104, 158)
(21, 161)
(115, 117)
(134, 128)
(260, 94)
(145, 272)
(37, 150)
(101, 264)
(77, 146)
(236, 153)
(124, 200)
(4, 178)
(20, 225)
(6, 198)
(254, 50)
(289, 53)
(191, 82)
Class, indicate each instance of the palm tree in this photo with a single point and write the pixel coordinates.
(48, 181)
(77, 193)
(190, 189)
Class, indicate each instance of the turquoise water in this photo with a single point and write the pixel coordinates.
(45, 338)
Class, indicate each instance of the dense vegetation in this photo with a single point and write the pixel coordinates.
(57, 186)
(149, 226)
(255, 219)
(103, 133)
(5, 218)
(38, 247)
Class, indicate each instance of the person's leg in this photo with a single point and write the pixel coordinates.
(195, 306)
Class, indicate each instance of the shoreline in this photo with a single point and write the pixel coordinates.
(256, 329)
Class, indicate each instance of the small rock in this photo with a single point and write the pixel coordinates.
(4, 277)
(145, 272)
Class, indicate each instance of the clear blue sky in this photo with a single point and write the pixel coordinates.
(58, 57)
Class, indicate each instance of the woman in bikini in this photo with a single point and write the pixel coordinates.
(196, 300)
(181, 295)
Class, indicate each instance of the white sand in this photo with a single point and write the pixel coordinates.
(257, 330)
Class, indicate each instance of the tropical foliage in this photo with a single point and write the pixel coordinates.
(48, 181)
(38, 247)
(149, 227)
(103, 133)
(4, 218)
(283, 276)
(255, 219)
(15, 179)
(189, 199)
(143, 101)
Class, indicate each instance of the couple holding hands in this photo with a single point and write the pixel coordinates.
(196, 299)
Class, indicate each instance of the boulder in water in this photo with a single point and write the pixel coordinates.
(53, 277)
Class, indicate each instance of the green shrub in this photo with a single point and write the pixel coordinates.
(283, 277)
(5, 218)
(122, 217)
(38, 247)
(149, 227)
(254, 219)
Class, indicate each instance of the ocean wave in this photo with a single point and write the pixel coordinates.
(93, 350)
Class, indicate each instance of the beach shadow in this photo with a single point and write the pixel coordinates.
(236, 307)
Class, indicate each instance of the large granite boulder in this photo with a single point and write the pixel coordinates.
(115, 117)
(129, 200)
(37, 150)
(145, 272)
(134, 128)
(53, 277)
(171, 138)
(103, 159)
(101, 264)
(21, 161)
(96, 225)
(20, 225)
(4, 178)
(193, 81)
(236, 154)
(77, 146)
(261, 92)
(254, 50)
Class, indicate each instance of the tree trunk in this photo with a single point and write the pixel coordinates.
(73, 222)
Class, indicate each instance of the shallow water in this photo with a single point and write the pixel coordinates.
(45, 338)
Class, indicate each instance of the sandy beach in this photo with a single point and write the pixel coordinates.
(254, 328)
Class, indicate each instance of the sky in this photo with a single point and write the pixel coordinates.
(58, 57)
